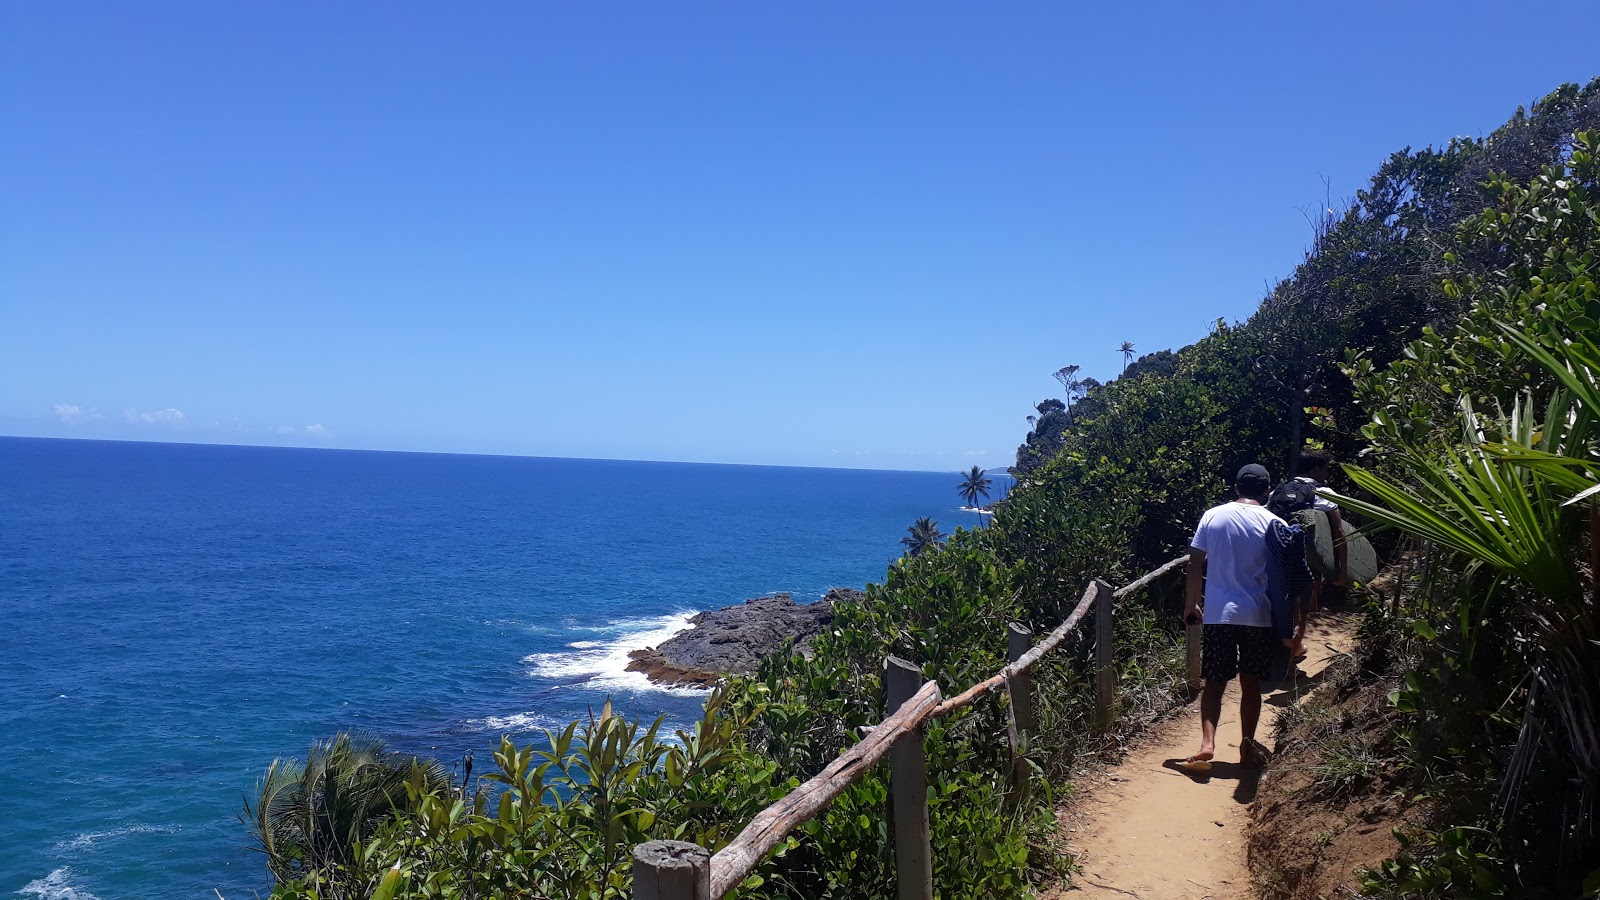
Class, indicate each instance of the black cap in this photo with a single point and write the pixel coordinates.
(1254, 475)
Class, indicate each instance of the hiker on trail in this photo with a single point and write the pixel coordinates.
(1315, 467)
(1290, 581)
(1227, 591)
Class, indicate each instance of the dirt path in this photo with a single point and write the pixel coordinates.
(1144, 829)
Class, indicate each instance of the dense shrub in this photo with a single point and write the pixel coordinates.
(1486, 445)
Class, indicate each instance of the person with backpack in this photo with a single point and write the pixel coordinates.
(1290, 581)
(1312, 469)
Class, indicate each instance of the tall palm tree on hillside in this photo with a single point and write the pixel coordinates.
(973, 485)
(1127, 355)
(923, 534)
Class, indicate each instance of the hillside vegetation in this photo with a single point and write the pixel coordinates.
(1394, 316)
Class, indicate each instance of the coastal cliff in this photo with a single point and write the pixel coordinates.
(733, 639)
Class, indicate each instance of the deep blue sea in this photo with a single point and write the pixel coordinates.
(173, 617)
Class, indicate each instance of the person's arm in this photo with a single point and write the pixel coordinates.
(1194, 586)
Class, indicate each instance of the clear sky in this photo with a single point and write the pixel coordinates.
(848, 233)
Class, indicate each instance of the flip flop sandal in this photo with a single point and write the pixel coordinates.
(1196, 765)
(1254, 755)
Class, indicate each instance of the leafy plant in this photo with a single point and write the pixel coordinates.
(1456, 862)
(310, 818)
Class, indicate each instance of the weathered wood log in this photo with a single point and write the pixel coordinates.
(1149, 577)
(1027, 662)
(735, 862)
(671, 870)
(995, 682)
(1019, 686)
(908, 790)
(1020, 689)
(1105, 667)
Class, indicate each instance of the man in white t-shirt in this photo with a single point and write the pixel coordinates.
(1227, 592)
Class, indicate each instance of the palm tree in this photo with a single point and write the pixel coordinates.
(923, 534)
(308, 817)
(1127, 355)
(974, 485)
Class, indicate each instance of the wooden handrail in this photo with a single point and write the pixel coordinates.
(1148, 577)
(1030, 659)
(734, 863)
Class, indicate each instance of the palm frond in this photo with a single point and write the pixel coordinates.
(1480, 505)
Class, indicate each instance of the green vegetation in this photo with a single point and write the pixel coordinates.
(1500, 310)
(1504, 687)
(309, 819)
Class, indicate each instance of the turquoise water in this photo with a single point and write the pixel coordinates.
(174, 616)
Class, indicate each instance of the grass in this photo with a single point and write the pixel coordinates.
(1348, 765)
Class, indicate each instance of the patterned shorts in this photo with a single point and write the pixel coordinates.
(1227, 650)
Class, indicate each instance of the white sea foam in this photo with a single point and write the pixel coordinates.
(85, 841)
(602, 665)
(56, 886)
(517, 722)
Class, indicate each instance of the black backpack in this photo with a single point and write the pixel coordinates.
(1291, 497)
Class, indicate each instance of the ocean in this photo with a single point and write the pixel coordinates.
(174, 616)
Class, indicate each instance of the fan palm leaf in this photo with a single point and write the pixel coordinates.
(923, 534)
(1489, 509)
(307, 816)
(1566, 454)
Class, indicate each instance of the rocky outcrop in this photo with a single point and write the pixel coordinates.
(733, 639)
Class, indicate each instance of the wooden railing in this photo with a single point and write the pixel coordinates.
(676, 870)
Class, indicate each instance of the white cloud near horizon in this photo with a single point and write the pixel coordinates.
(168, 416)
(316, 430)
(72, 413)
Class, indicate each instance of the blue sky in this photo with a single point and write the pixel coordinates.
(848, 234)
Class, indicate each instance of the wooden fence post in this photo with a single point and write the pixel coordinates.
(671, 870)
(1192, 643)
(1019, 640)
(908, 783)
(1105, 669)
(1019, 687)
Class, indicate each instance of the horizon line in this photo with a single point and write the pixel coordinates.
(1000, 470)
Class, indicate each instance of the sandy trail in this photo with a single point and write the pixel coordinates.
(1144, 829)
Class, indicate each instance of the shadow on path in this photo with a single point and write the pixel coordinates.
(1248, 778)
(1293, 689)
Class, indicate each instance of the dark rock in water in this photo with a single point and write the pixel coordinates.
(733, 639)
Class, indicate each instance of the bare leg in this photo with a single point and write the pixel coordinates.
(1210, 714)
(1249, 705)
